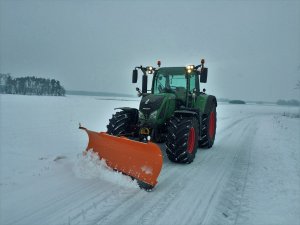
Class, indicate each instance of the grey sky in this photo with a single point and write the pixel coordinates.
(252, 48)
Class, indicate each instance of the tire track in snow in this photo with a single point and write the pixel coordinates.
(105, 207)
(80, 209)
(229, 203)
(51, 206)
(56, 205)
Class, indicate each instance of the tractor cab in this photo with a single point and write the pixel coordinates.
(175, 80)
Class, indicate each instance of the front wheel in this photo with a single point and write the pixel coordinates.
(182, 139)
(122, 124)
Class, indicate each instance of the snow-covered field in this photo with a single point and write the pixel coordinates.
(250, 176)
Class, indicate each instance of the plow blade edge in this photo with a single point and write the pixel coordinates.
(143, 161)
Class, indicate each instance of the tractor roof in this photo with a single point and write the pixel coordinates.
(172, 70)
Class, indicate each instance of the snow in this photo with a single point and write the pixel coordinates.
(89, 166)
(250, 176)
(147, 169)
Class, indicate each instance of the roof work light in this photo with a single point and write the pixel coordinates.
(190, 68)
(150, 69)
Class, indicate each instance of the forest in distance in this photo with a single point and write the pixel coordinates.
(30, 85)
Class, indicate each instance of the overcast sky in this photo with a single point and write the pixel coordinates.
(252, 48)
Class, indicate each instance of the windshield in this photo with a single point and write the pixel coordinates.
(171, 83)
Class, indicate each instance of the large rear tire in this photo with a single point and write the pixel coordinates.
(182, 139)
(121, 124)
(208, 128)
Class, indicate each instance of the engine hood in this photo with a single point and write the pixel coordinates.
(150, 103)
(155, 109)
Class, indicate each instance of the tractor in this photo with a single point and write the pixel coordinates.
(174, 111)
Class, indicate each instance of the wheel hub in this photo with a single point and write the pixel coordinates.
(191, 140)
(212, 124)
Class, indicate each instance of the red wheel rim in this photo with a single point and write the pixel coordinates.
(212, 124)
(191, 140)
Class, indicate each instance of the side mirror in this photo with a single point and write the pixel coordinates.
(203, 75)
(134, 76)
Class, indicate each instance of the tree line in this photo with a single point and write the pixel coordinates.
(30, 86)
(291, 102)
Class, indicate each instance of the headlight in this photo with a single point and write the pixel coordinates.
(153, 115)
(141, 115)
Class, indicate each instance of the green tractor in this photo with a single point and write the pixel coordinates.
(175, 111)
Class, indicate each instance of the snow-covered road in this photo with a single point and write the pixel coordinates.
(250, 176)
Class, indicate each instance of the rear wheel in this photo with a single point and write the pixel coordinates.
(182, 139)
(122, 123)
(208, 128)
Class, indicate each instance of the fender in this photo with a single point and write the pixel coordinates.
(210, 100)
(187, 113)
(126, 109)
(132, 111)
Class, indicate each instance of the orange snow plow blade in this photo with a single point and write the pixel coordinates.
(142, 161)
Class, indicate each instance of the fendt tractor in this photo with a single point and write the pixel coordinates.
(175, 111)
